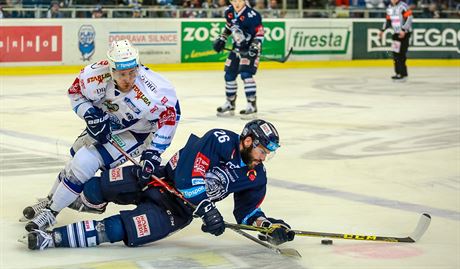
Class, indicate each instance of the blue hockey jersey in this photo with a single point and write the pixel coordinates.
(244, 26)
(211, 167)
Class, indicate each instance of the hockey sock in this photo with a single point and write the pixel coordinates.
(230, 89)
(77, 235)
(65, 194)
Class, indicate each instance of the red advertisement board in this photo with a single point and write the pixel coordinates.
(30, 43)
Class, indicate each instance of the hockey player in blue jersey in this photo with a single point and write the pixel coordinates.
(244, 25)
(205, 171)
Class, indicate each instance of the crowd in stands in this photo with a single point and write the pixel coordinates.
(215, 8)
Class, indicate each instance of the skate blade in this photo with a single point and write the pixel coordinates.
(23, 219)
(227, 114)
(24, 239)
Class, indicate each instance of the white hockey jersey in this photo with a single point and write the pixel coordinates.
(151, 106)
(399, 17)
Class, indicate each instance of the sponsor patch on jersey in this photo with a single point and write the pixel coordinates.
(217, 182)
(197, 181)
(111, 107)
(200, 166)
(141, 95)
(266, 129)
(131, 106)
(164, 100)
(75, 88)
(99, 78)
(167, 117)
(116, 174)
(174, 160)
(245, 61)
(142, 225)
(251, 174)
(194, 191)
(89, 225)
(155, 108)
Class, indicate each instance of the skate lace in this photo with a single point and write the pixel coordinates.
(40, 205)
(45, 218)
(45, 239)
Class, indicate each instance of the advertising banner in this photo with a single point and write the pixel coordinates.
(30, 44)
(430, 39)
(198, 36)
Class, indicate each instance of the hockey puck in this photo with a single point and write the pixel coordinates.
(326, 242)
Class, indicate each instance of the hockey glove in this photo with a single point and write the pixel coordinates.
(98, 125)
(254, 49)
(150, 162)
(213, 222)
(280, 234)
(219, 43)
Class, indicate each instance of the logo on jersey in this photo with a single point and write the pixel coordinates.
(174, 160)
(111, 107)
(200, 166)
(140, 95)
(217, 182)
(131, 106)
(98, 64)
(167, 117)
(98, 78)
(142, 225)
(164, 100)
(86, 45)
(89, 225)
(149, 84)
(251, 174)
(155, 108)
(75, 88)
(115, 174)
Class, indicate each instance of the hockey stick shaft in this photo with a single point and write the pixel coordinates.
(286, 252)
(422, 226)
(279, 60)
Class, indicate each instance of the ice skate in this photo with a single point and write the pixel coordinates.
(43, 220)
(227, 109)
(38, 240)
(399, 78)
(250, 112)
(30, 211)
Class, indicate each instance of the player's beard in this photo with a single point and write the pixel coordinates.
(246, 156)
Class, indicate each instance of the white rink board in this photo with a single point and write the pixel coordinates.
(359, 154)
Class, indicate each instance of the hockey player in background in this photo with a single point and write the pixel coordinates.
(205, 170)
(399, 17)
(244, 24)
(119, 99)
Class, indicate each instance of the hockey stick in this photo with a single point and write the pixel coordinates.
(279, 60)
(422, 226)
(286, 252)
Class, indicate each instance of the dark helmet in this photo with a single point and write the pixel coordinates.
(263, 133)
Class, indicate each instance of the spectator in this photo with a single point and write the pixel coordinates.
(137, 12)
(54, 11)
(98, 12)
(274, 9)
(1, 12)
(375, 4)
(209, 4)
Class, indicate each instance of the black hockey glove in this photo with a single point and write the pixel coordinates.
(280, 234)
(219, 43)
(213, 222)
(254, 49)
(150, 162)
(98, 125)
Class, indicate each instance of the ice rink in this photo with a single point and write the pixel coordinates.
(360, 154)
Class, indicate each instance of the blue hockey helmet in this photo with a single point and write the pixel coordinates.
(263, 133)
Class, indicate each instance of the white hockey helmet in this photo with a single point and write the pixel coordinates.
(122, 55)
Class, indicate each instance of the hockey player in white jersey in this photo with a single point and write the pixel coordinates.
(119, 99)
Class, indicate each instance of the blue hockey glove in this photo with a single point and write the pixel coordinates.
(282, 231)
(150, 162)
(213, 222)
(219, 43)
(254, 49)
(98, 125)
